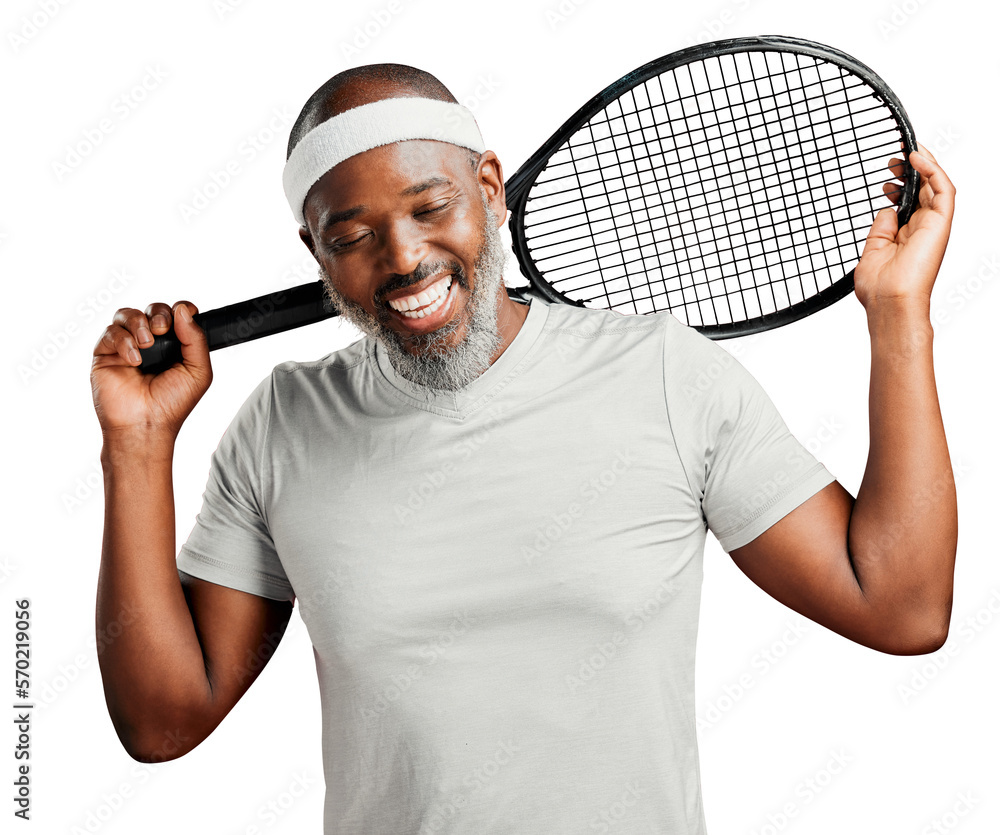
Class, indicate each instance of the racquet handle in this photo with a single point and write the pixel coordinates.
(243, 321)
(254, 318)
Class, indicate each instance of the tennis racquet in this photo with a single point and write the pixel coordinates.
(732, 184)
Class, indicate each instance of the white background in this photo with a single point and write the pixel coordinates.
(220, 73)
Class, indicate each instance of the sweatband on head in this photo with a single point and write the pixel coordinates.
(369, 126)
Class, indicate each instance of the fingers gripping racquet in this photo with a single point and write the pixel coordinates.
(731, 184)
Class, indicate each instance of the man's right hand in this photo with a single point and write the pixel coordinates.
(124, 397)
(179, 631)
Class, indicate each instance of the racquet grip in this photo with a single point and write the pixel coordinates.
(243, 321)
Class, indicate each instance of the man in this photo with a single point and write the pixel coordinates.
(493, 515)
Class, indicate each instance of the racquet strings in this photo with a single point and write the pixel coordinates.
(721, 190)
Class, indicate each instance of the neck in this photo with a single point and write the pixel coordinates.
(510, 317)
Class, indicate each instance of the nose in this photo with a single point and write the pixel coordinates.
(403, 248)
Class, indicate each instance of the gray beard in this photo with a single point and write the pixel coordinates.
(430, 361)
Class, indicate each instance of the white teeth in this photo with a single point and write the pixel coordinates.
(419, 314)
(433, 296)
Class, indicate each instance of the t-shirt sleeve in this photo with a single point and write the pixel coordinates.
(746, 467)
(230, 544)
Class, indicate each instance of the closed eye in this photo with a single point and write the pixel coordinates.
(434, 207)
(341, 244)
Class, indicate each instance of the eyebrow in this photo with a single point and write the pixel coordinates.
(419, 188)
(333, 218)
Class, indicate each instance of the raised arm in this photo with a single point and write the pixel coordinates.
(173, 656)
(880, 569)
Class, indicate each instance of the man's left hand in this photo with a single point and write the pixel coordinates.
(902, 264)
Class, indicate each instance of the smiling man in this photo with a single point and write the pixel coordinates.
(493, 514)
(423, 213)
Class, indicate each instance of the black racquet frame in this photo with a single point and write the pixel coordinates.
(306, 304)
(524, 177)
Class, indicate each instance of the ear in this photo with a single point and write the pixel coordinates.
(490, 174)
(307, 239)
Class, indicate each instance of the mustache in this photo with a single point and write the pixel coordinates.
(423, 270)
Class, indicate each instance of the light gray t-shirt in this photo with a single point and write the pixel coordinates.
(502, 584)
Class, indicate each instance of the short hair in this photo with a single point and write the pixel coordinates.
(361, 85)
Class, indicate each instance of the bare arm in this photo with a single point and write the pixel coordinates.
(173, 657)
(880, 569)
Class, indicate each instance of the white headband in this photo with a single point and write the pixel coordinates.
(367, 127)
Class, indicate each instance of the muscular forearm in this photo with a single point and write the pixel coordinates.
(904, 523)
(150, 657)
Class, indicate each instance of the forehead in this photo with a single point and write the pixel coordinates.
(387, 172)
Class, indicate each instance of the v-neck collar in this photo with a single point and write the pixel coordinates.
(464, 401)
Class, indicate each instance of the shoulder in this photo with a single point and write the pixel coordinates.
(293, 384)
(600, 336)
(587, 323)
(678, 344)
(335, 370)
(343, 360)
